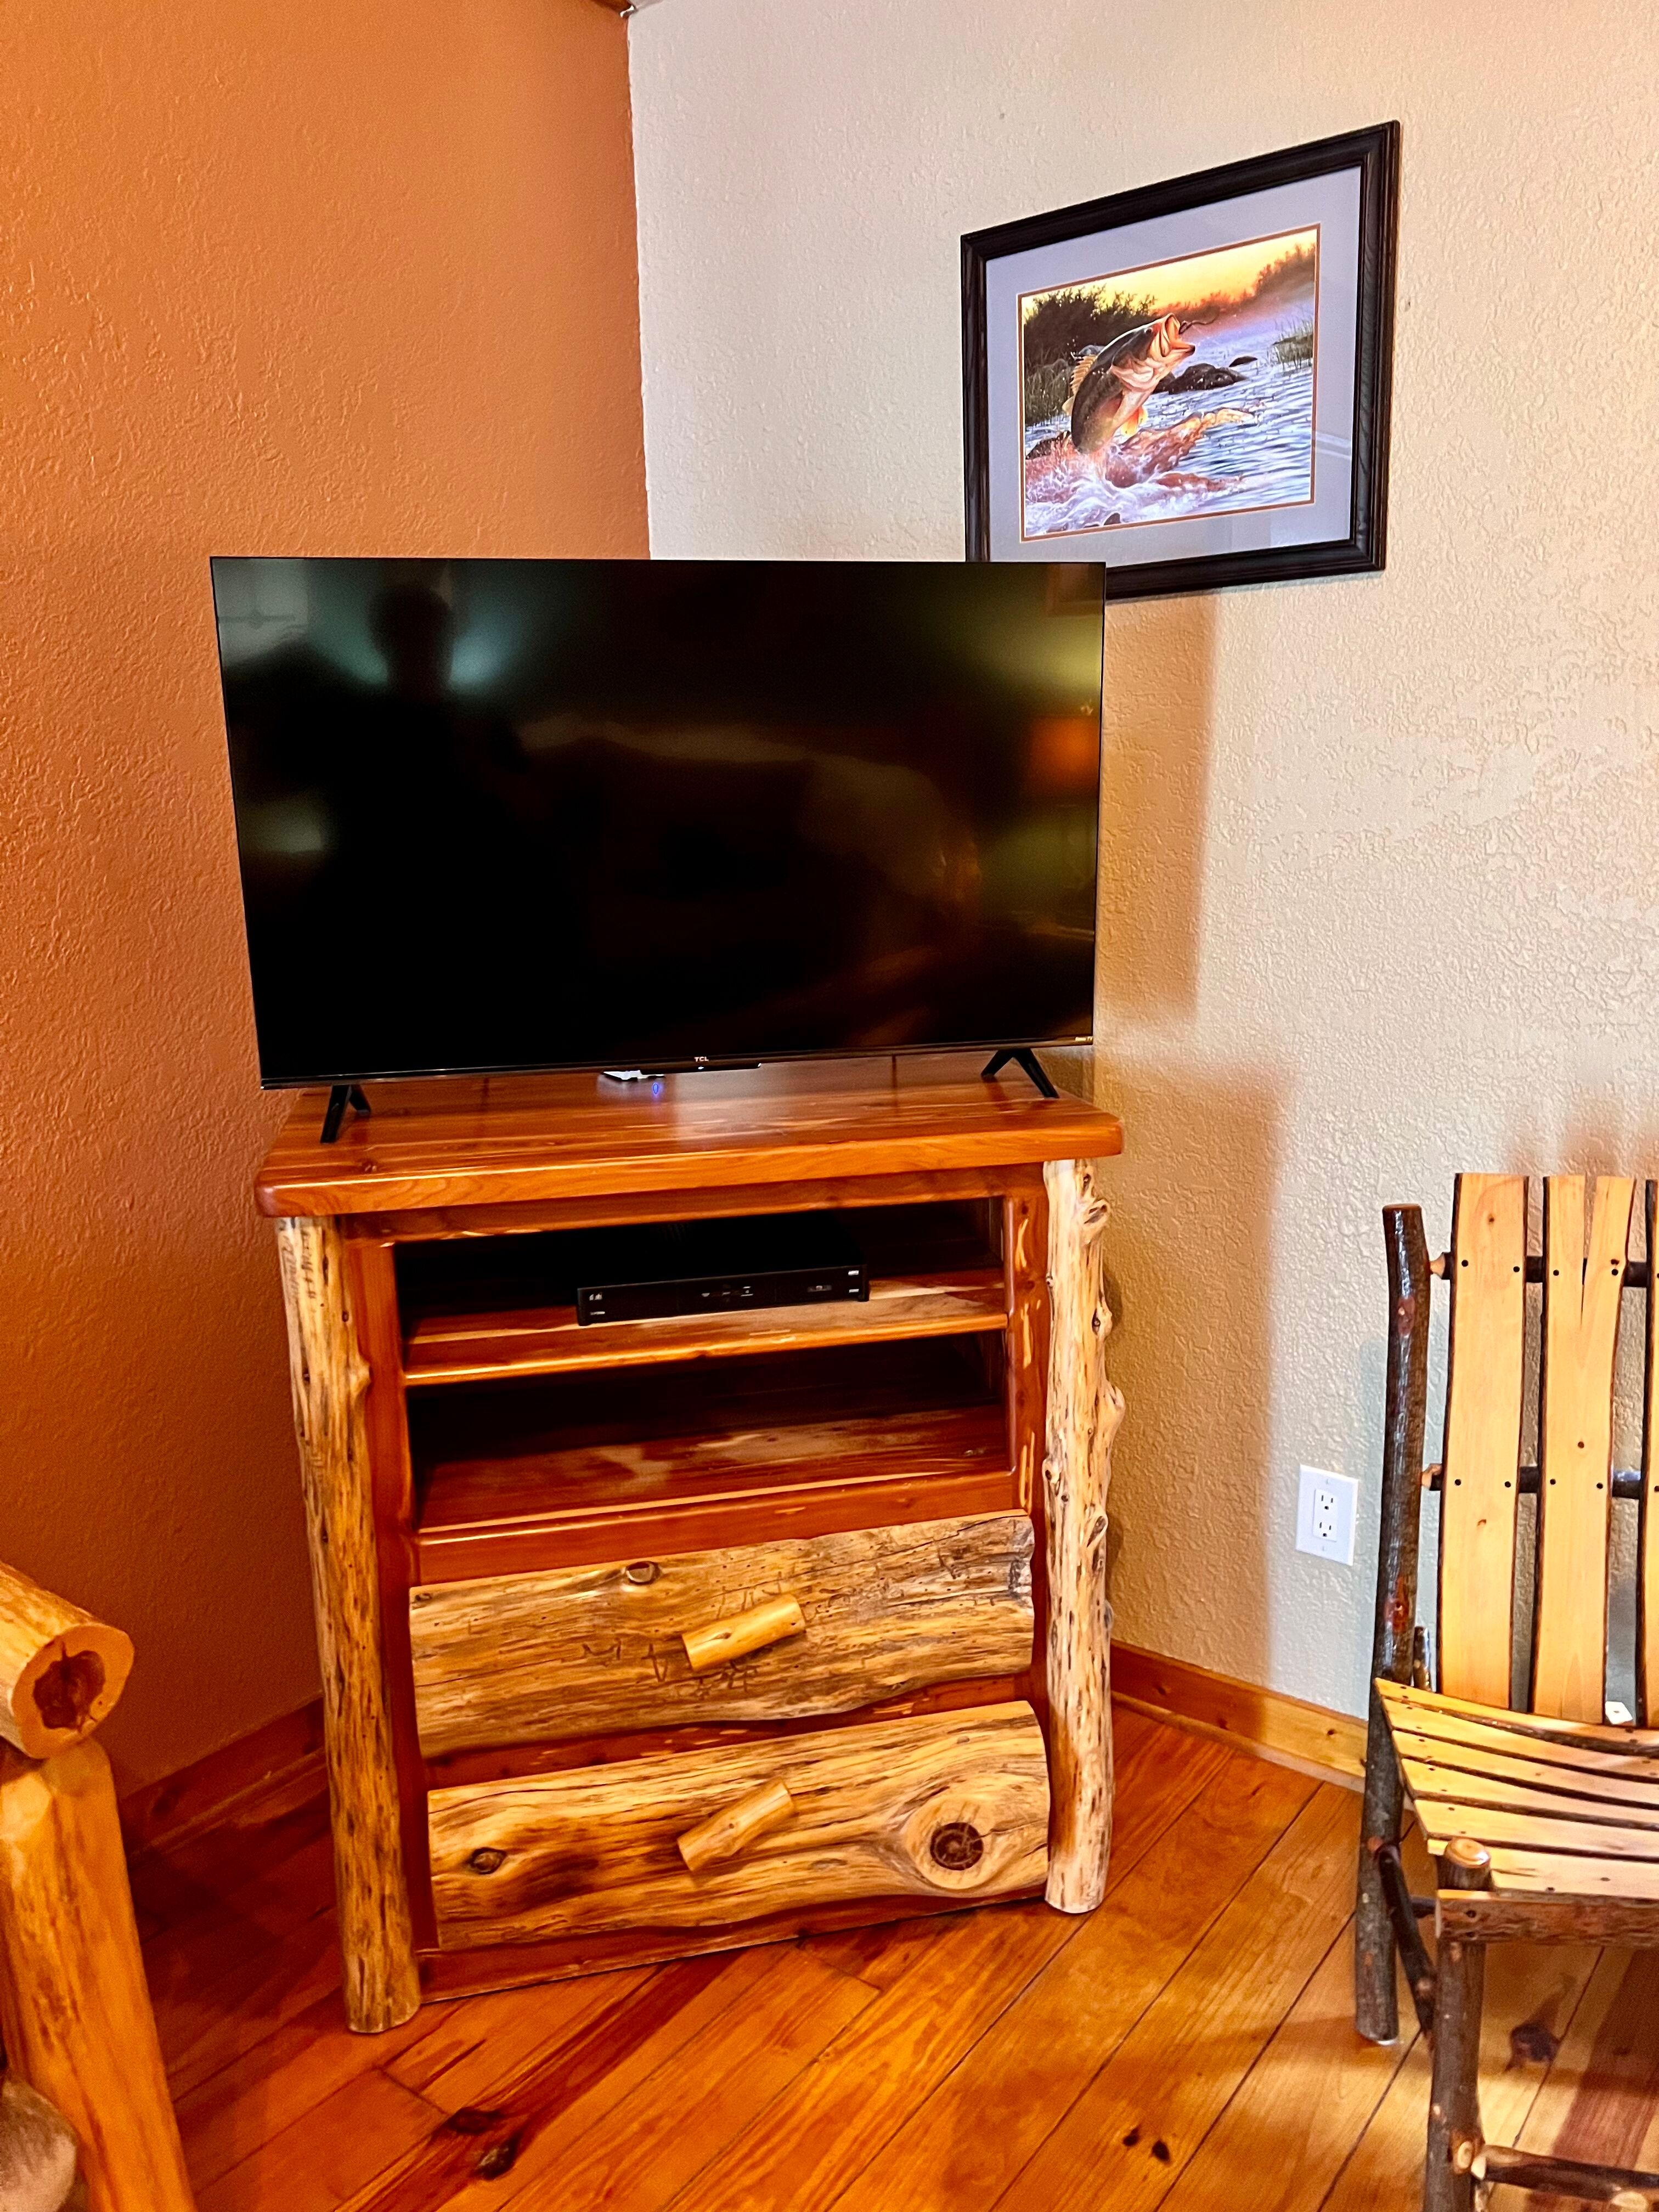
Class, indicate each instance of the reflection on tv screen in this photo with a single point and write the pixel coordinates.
(500, 814)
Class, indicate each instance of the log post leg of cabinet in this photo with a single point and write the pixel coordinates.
(329, 1378)
(1083, 1416)
(75, 2012)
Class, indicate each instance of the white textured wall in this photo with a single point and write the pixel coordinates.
(1381, 892)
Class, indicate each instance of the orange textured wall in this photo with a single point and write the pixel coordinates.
(350, 278)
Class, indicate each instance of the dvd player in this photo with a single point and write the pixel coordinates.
(656, 1273)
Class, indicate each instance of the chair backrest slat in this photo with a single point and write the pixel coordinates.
(1578, 1340)
(1482, 1452)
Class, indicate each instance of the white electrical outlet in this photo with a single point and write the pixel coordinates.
(1325, 1509)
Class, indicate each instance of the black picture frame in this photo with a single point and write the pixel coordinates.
(1375, 152)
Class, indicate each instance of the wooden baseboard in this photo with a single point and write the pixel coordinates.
(202, 1793)
(1310, 1738)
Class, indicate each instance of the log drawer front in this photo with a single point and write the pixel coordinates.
(948, 1807)
(763, 1633)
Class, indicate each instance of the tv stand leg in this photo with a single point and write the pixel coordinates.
(1018, 1056)
(1022, 1056)
(341, 1096)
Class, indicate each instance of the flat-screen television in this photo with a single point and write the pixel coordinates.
(642, 814)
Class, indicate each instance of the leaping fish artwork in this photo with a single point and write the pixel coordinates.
(1111, 386)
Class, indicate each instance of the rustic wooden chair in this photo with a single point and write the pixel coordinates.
(1543, 1817)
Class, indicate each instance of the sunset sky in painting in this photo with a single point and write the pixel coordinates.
(1231, 271)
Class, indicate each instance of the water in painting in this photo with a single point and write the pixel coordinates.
(1186, 388)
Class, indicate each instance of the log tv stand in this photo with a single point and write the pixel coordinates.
(660, 1636)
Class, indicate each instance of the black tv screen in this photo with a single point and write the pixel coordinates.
(531, 814)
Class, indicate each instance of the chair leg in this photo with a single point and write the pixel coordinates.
(1454, 2136)
(1375, 1991)
(1376, 2003)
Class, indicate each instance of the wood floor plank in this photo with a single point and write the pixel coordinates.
(1532, 1995)
(247, 1923)
(814, 2142)
(1284, 2135)
(678, 2119)
(202, 2029)
(488, 2124)
(474, 2044)
(1600, 2102)
(315, 2162)
(1133, 2129)
(1048, 2044)
(257, 1834)
(999, 2057)
(290, 2073)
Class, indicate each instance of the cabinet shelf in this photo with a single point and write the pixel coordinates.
(475, 1348)
(589, 1466)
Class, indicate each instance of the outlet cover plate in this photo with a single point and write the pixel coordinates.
(1326, 1507)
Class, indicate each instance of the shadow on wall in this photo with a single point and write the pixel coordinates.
(1155, 773)
(1192, 1352)
(1193, 1194)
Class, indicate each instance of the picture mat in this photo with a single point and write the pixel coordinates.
(1329, 203)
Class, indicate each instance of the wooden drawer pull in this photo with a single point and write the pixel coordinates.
(727, 1833)
(722, 1640)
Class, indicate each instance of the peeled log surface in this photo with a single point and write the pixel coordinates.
(1084, 1411)
(577, 1651)
(942, 1804)
(330, 1380)
(61, 1671)
(74, 2013)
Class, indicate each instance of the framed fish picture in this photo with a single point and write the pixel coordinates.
(1189, 382)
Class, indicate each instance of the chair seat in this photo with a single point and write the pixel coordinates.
(1566, 1807)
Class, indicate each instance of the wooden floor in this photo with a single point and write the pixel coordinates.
(1190, 2044)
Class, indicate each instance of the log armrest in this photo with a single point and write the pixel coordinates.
(61, 1671)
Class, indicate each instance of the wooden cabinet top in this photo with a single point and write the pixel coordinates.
(454, 1141)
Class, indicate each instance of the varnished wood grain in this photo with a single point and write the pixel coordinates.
(550, 1341)
(1084, 1413)
(1173, 2074)
(880, 1812)
(1483, 1436)
(454, 1142)
(580, 1650)
(600, 1501)
(1313, 1739)
(1038, 2058)
(75, 2014)
(1580, 1333)
(974, 2041)
(813, 1195)
(1532, 1995)
(329, 1379)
